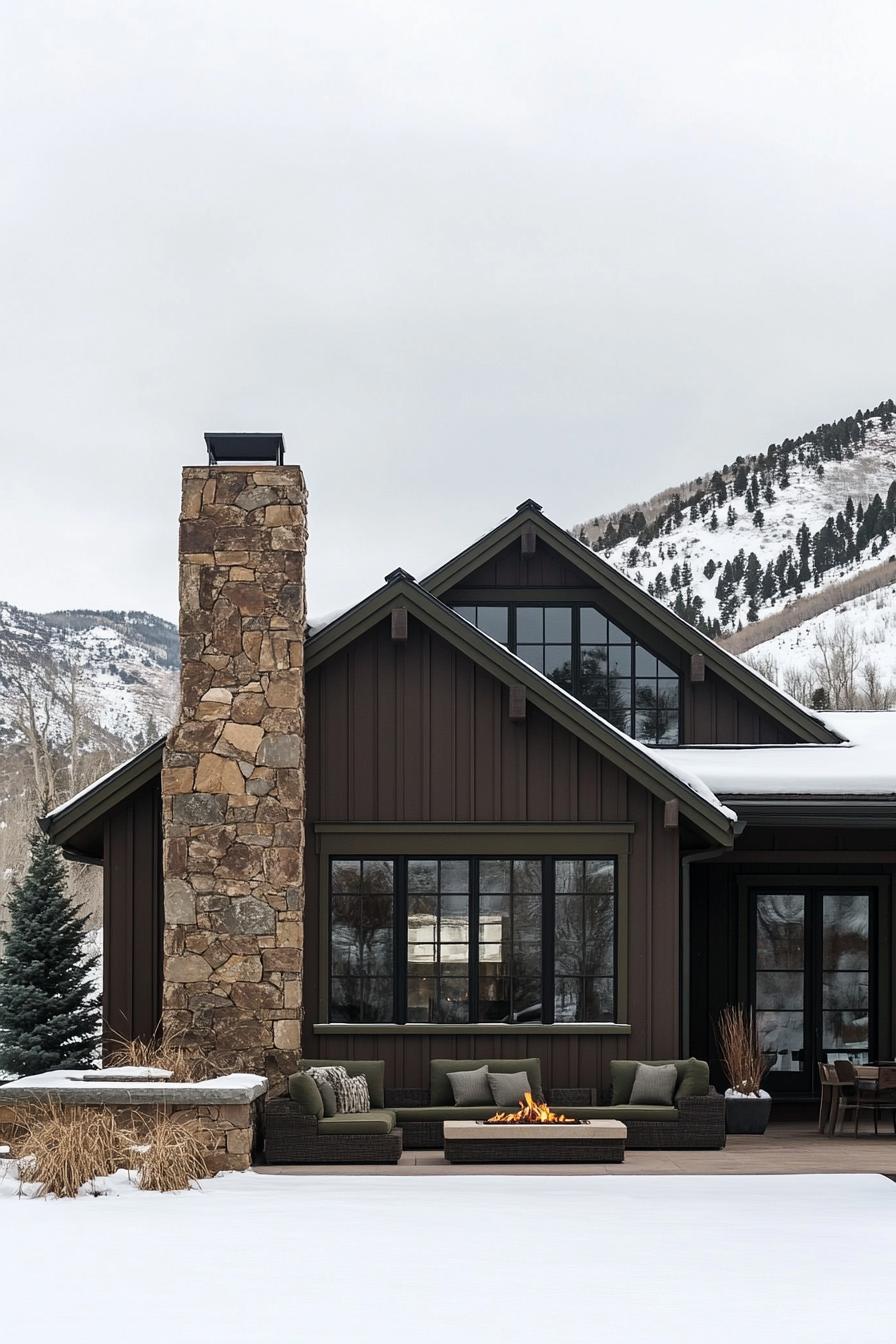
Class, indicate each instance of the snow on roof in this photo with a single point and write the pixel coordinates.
(864, 765)
(318, 623)
(109, 775)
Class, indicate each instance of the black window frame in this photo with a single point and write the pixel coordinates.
(576, 606)
(400, 934)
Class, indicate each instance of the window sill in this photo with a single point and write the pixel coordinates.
(471, 1029)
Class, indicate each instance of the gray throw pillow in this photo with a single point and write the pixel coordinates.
(327, 1096)
(470, 1086)
(654, 1085)
(507, 1088)
(352, 1095)
(325, 1075)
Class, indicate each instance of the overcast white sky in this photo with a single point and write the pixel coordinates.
(459, 253)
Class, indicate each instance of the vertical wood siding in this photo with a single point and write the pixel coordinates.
(132, 916)
(415, 732)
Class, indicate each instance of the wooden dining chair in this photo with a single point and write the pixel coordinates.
(865, 1094)
(828, 1103)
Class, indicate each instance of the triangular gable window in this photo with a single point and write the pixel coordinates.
(593, 658)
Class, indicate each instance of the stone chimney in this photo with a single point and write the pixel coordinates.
(233, 782)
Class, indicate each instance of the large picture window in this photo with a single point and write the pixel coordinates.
(467, 940)
(594, 659)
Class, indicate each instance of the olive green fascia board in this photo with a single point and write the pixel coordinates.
(471, 1029)
(614, 746)
(360, 618)
(66, 822)
(602, 572)
(537, 836)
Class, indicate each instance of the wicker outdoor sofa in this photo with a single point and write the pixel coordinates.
(297, 1131)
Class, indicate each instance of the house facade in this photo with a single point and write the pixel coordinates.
(514, 807)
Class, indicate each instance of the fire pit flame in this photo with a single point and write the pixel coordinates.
(531, 1112)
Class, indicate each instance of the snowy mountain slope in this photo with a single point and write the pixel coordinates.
(850, 649)
(124, 666)
(757, 533)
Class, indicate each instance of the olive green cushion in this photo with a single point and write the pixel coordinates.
(692, 1077)
(623, 1113)
(440, 1093)
(408, 1115)
(306, 1093)
(358, 1122)
(438, 1113)
(374, 1070)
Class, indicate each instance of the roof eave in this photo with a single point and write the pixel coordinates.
(786, 712)
(511, 670)
(66, 822)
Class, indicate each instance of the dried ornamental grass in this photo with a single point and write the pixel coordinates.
(741, 1054)
(169, 1152)
(165, 1050)
(67, 1147)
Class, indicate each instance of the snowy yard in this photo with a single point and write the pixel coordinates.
(473, 1257)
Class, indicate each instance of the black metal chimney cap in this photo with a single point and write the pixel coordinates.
(244, 448)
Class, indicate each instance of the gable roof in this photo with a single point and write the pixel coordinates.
(776, 703)
(649, 768)
(77, 826)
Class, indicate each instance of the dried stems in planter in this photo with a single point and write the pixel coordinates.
(742, 1059)
(164, 1050)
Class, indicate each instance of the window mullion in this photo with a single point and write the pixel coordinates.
(473, 944)
(400, 997)
(547, 940)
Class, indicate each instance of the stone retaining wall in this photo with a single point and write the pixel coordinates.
(231, 1129)
(233, 782)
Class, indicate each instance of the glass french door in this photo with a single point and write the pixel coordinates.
(811, 980)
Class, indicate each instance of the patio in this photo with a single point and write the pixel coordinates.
(788, 1148)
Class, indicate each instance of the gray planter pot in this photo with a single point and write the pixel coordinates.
(747, 1115)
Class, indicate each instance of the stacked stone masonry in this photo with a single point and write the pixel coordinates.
(233, 781)
(229, 1130)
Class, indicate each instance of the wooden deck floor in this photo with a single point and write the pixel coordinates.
(786, 1149)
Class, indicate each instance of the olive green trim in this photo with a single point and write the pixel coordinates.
(471, 1029)
(622, 751)
(731, 669)
(394, 840)
(499, 597)
(476, 829)
(65, 822)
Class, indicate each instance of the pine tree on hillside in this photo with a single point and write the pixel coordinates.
(49, 1012)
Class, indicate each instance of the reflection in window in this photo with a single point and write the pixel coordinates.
(400, 940)
(780, 979)
(510, 915)
(595, 660)
(438, 940)
(490, 620)
(846, 964)
(584, 940)
(361, 929)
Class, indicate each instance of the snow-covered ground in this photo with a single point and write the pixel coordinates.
(477, 1258)
(871, 619)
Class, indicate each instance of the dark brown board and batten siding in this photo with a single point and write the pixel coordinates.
(132, 916)
(712, 711)
(414, 733)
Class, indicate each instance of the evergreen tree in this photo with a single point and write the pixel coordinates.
(49, 1013)
(731, 518)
